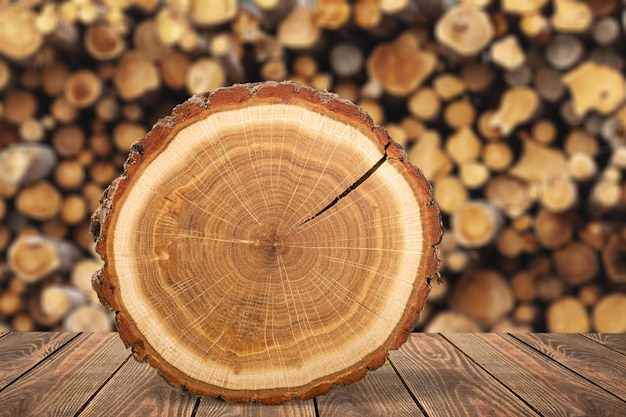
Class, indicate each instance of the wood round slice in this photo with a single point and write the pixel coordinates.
(264, 242)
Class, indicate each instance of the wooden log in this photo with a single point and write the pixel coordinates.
(127, 133)
(88, 318)
(567, 315)
(367, 13)
(424, 104)
(204, 75)
(19, 106)
(465, 30)
(497, 156)
(552, 230)
(538, 163)
(428, 155)
(518, 105)
(23, 163)
(577, 140)
(63, 111)
(525, 313)
(212, 12)
(474, 174)
(81, 274)
(102, 172)
(564, 51)
(589, 294)
(330, 130)
(524, 286)
(448, 86)
(332, 14)
(477, 76)
(450, 194)
(576, 263)
(549, 84)
(558, 193)
(34, 257)
(169, 26)
(535, 26)
(173, 68)
(19, 19)
(476, 223)
(68, 140)
(510, 243)
(571, 16)
(603, 96)
(58, 300)
(544, 131)
(463, 145)
(136, 75)
(485, 129)
(346, 59)
(452, 321)
(103, 42)
(606, 31)
(38, 201)
(483, 295)
(609, 314)
(299, 29)
(507, 53)
(274, 70)
(73, 209)
(509, 194)
(69, 174)
(400, 66)
(459, 113)
(606, 194)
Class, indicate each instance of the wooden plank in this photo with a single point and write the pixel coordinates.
(20, 352)
(615, 341)
(139, 391)
(381, 393)
(547, 386)
(211, 407)
(62, 384)
(446, 383)
(599, 364)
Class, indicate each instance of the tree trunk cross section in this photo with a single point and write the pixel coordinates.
(265, 242)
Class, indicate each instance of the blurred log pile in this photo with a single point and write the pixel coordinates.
(513, 109)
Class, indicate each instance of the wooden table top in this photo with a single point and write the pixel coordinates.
(92, 374)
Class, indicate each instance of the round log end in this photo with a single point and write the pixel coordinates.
(265, 242)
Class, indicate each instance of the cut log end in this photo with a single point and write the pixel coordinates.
(260, 221)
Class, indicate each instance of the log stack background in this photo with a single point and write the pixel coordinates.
(513, 109)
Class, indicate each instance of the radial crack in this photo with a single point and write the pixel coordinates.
(349, 189)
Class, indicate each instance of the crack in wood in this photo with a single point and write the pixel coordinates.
(349, 189)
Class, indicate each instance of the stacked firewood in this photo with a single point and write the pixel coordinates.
(513, 109)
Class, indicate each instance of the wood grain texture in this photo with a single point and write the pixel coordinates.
(20, 352)
(380, 393)
(147, 395)
(446, 383)
(615, 341)
(211, 407)
(63, 384)
(583, 356)
(551, 388)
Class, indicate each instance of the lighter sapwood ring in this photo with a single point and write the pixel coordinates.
(265, 242)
